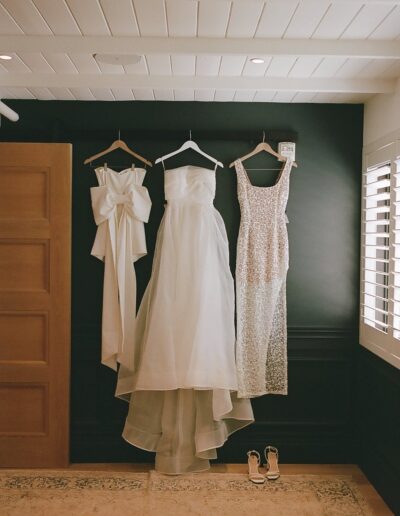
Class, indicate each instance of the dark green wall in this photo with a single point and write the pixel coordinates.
(378, 425)
(313, 423)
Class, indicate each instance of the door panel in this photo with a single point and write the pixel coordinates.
(35, 276)
(23, 336)
(20, 203)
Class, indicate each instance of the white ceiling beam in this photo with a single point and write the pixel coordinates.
(198, 82)
(369, 49)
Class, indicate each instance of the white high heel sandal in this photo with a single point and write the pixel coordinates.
(254, 461)
(271, 464)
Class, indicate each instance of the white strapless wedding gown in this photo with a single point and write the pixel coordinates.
(182, 384)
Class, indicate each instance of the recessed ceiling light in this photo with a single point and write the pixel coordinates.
(117, 59)
(257, 60)
(5, 57)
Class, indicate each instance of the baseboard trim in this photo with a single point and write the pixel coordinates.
(306, 442)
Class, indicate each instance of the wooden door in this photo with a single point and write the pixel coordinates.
(35, 277)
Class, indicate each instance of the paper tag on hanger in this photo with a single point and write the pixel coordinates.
(287, 149)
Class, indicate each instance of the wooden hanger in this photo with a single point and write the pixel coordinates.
(189, 144)
(118, 144)
(263, 146)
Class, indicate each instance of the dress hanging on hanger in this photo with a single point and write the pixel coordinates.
(121, 204)
(182, 395)
(261, 266)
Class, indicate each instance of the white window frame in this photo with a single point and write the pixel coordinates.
(385, 345)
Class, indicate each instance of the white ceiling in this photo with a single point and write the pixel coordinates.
(314, 50)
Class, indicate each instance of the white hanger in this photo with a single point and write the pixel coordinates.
(189, 144)
(263, 146)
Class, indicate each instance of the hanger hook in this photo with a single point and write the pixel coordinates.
(263, 136)
(190, 134)
(119, 134)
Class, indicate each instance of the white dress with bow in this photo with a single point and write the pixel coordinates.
(121, 205)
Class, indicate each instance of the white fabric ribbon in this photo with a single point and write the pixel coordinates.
(120, 241)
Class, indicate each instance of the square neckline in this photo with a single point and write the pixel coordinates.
(265, 187)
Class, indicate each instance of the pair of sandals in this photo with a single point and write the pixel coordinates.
(271, 465)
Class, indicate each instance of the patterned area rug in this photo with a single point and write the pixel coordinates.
(61, 493)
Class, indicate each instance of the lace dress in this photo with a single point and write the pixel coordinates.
(261, 268)
(182, 392)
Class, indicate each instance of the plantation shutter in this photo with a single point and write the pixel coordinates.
(380, 254)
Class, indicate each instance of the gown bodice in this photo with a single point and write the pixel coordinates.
(190, 184)
(121, 200)
(263, 247)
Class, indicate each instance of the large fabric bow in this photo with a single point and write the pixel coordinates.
(120, 241)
